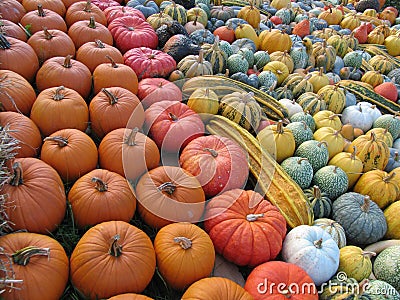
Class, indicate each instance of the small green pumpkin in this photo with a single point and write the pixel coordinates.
(237, 63)
(304, 117)
(387, 266)
(301, 132)
(299, 169)
(316, 153)
(319, 201)
(311, 102)
(332, 180)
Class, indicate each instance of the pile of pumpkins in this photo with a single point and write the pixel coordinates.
(93, 92)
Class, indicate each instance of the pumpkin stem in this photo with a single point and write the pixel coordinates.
(368, 253)
(331, 117)
(173, 117)
(113, 63)
(99, 44)
(365, 206)
(47, 35)
(92, 23)
(318, 244)
(88, 6)
(115, 248)
(212, 152)
(111, 97)
(130, 140)
(390, 176)
(253, 217)
(184, 242)
(167, 187)
(4, 43)
(67, 61)
(353, 154)
(40, 10)
(279, 127)
(316, 192)
(58, 95)
(17, 176)
(22, 256)
(373, 136)
(200, 60)
(62, 142)
(101, 186)
(323, 143)
(301, 159)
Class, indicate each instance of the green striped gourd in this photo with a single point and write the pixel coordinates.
(387, 266)
(341, 46)
(304, 117)
(322, 48)
(299, 169)
(284, 93)
(391, 122)
(242, 109)
(352, 41)
(319, 201)
(311, 102)
(300, 57)
(316, 153)
(334, 97)
(298, 84)
(237, 63)
(215, 56)
(261, 58)
(198, 14)
(382, 64)
(301, 132)
(334, 229)
(332, 180)
(195, 65)
(177, 12)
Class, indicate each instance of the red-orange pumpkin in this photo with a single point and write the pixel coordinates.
(34, 186)
(245, 228)
(54, 5)
(25, 131)
(130, 296)
(59, 108)
(225, 33)
(169, 194)
(152, 90)
(71, 152)
(39, 261)
(13, 30)
(185, 254)
(82, 11)
(113, 108)
(117, 256)
(120, 11)
(128, 152)
(217, 162)
(101, 196)
(12, 10)
(42, 17)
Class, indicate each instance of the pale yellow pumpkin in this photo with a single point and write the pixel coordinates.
(279, 69)
(392, 43)
(382, 134)
(326, 118)
(204, 100)
(283, 57)
(333, 138)
(318, 79)
(355, 262)
(278, 4)
(393, 221)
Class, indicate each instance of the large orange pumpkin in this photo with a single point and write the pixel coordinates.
(25, 131)
(113, 108)
(36, 198)
(216, 288)
(112, 258)
(82, 11)
(13, 30)
(59, 108)
(128, 152)
(71, 152)
(152, 90)
(41, 18)
(169, 194)
(39, 261)
(12, 10)
(101, 196)
(54, 5)
(245, 228)
(185, 254)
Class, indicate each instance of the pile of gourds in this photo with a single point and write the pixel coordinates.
(183, 141)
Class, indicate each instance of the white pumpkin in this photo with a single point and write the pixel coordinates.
(371, 109)
(292, 106)
(358, 117)
(314, 250)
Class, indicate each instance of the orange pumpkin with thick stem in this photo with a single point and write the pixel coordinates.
(42, 17)
(216, 288)
(185, 254)
(137, 154)
(93, 54)
(51, 43)
(71, 152)
(68, 72)
(35, 258)
(34, 185)
(106, 193)
(152, 90)
(54, 5)
(18, 56)
(25, 131)
(169, 194)
(116, 255)
(12, 10)
(82, 11)
(85, 31)
(114, 74)
(59, 108)
(16, 93)
(245, 228)
(112, 108)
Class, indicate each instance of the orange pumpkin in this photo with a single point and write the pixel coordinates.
(35, 258)
(82, 11)
(13, 30)
(12, 10)
(128, 152)
(274, 40)
(302, 28)
(101, 196)
(33, 186)
(25, 131)
(117, 256)
(53, 5)
(185, 254)
(130, 296)
(113, 108)
(169, 194)
(71, 152)
(42, 17)
(59, 108)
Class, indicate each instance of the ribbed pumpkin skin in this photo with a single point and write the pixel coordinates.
(362, 219)
(373, 153)
(274, 40)
(380, 186)
(195, 65)
(181, 264)
(237, 230)
(381, 64)
(41, 186)
(355, 263)
(51, 270)
(373, 78)
(387, 266)
(320, 48)
(216, 288)
(321, 204)
(300, 170)
(332, 137)
(350, 163)
(177, 12)
(241, 108)
(93, 260)
(334, 229)
(332, 180)
(214, 55)
(334, 98)
(311, 102)
(341, 46)
(251, 14)
(393, 220)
